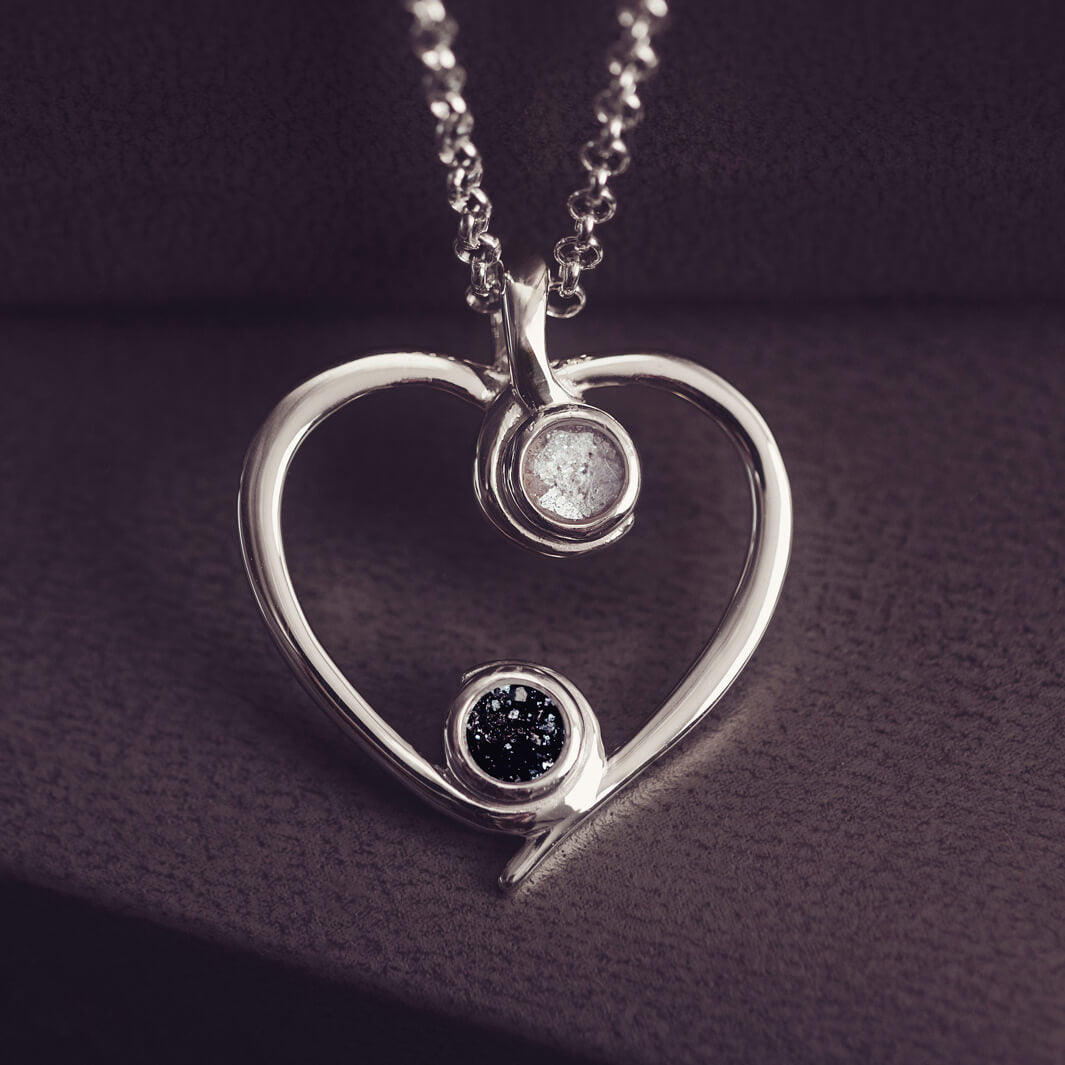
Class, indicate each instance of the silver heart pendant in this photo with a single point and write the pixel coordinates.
(522, 747)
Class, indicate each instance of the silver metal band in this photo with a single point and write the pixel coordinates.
(543, 819)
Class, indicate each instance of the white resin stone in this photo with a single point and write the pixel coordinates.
(573, 472)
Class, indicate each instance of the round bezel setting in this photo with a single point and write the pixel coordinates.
(580, 747)
(509, 435)
(592, 471)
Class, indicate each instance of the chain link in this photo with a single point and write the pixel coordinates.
(618, 110)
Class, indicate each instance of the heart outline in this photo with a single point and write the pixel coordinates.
(725, 655)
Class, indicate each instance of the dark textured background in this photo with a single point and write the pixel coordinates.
(861, 857)
(281, 150)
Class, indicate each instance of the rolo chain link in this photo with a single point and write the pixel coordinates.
(618, 109)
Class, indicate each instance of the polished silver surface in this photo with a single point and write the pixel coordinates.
(537, 400)
(631, 61)
(571, 784)
(524, 317)
(547, 818)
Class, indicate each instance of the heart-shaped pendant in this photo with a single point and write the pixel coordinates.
(523, 752)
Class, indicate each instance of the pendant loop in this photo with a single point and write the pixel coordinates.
(553, 472)
(523, 310)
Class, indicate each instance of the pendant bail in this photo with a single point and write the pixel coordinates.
(523, 315)
(553, 471)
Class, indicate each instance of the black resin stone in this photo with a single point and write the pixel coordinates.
(515, 733)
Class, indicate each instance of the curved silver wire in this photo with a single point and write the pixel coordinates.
(706, 681)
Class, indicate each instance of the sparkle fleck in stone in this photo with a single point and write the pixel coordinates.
(515, 739)
(573, 472)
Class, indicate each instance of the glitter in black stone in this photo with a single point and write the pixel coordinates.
(515, 733)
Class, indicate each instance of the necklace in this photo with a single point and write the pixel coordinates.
(522, 747)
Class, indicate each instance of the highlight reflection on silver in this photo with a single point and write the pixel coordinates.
(537, 401)
(725, 655)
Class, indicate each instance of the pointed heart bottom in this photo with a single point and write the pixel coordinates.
(545, 808)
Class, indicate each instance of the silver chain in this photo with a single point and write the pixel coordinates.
(618, 109)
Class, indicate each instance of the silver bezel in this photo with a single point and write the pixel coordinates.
(543, 421)
(480, 682)
(506, 434)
